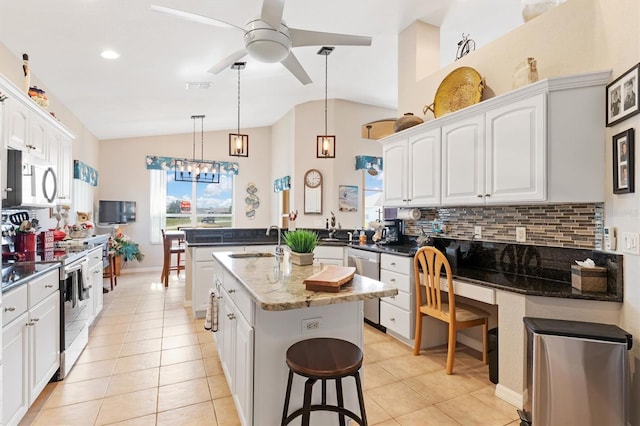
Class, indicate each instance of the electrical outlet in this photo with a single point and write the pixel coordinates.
(631, 243)
(477, 231)
(521, 234)
(310, 325)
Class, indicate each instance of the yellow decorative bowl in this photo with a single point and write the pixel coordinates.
(461, 88)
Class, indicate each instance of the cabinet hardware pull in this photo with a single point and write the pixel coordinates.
(393, 280)
(487, 195)
(232, 290)
(231, 316)
(393, 297)
(35, 319)
(9, 189)
(393, 263)
(48, 286)
(10, 308)
(480, 195)
(392, 319)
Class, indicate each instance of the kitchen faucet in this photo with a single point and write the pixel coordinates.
(279, 250)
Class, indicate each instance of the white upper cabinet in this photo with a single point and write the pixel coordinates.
(541, 143)
(17, 125)
(412, 170)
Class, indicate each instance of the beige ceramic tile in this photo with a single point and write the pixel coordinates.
(390, 422)
(438, 386)
(212, 365)
(115, 319)
(384, 350)
(468, 410)
(100, 353)
(430, 416)
(146, 325)
(172, 342)
(106, 340)
(201, 414)
(375, 413)
(79, 414)
(72, 393)
(398, 399)
(487, 396)
(91, 370)
(218, 386)
(206, 336)
(409, 365)
(209, 349)
(183, 394)
(99, 330)
(133, 381)
(181, 372)
(137, 362)
(186, 353)
(141, 347)
(374, 376)
(226, 413)
(148, 316)
(135, 336)
(128, 406)
(148, 420)
(372, 335)
(178, 330)
(177, 320)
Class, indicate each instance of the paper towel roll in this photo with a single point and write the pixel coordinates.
(411, 214)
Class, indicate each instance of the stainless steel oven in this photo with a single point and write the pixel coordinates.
(74, 311)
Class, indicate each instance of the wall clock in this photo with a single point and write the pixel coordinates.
(313, 192)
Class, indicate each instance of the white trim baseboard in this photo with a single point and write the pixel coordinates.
(512, 397)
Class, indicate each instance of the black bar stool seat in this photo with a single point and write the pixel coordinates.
(324, 359)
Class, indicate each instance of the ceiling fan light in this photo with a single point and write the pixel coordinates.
(266, 44)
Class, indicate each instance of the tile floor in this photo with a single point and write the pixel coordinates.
(148, 362)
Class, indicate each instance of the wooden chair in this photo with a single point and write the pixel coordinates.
(171, 246)
(110, 270)
(429, 262)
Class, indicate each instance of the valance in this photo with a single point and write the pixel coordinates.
(85, 173)
(366, 162)
(282, 184)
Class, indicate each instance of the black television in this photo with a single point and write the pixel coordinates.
(116, 212)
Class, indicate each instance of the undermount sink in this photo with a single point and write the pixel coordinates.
(332, 240)
(251, 254)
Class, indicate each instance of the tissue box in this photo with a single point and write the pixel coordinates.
(589, 279)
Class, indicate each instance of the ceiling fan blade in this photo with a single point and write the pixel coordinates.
(292, 64)
(195, 17)
(315, 38)
(272, 13)
(228, 61)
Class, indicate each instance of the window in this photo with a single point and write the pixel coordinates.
(198, 204)
(372, 195)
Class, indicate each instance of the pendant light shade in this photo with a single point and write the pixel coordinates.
(238, 143)
(194, 170)
(325, 144)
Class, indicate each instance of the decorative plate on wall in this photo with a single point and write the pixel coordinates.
(252, 201)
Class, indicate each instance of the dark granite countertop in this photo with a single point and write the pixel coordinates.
(19, 273)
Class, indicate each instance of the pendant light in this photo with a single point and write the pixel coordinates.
(325, 144)
(194, 170)
(238, 143)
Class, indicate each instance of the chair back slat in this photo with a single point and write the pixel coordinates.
(428, 265)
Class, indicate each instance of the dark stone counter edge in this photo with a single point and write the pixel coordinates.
(47, 267)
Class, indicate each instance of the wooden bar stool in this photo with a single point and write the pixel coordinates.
(324, 359)
(110, 270)
(170, 249)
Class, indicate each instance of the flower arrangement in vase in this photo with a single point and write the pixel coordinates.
(301, 242)
(123, 246)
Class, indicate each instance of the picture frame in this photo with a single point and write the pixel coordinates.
(622, 97)
(347, 198)
(623, 162)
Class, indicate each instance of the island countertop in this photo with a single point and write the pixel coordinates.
(272, 289)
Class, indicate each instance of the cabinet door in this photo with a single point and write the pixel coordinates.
(44, 347)
(15, 372)
(516, 151)
(463, 162)
(17, 127)
(395, 173)
(37, 138)
(98, 297)
(227, 331)
(202, 281)
(243, 369)
(65, 169)
(424, 169)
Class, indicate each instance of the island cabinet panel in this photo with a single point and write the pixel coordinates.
(513, 148)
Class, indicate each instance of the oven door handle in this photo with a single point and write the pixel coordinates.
(74, 268)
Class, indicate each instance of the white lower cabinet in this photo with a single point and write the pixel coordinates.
(234, 339)
(30, 343)
(397, 312)
(94, 275)
(201, 272)
(329, 255)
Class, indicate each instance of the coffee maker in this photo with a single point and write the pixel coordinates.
(393, 230)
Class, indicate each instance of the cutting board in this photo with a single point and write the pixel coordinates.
(330, 278)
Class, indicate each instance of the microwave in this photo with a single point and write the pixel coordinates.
(31, 181)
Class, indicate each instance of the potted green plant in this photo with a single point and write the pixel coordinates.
(125, 248)
(301, 242)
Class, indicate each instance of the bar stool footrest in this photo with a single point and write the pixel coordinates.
(321, 407)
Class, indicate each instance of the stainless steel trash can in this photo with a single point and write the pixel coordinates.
(577, 373)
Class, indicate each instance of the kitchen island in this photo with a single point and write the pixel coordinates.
(263, 308)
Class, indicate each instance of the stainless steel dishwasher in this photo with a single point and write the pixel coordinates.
(367, 264)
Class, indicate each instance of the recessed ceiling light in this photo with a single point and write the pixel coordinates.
(110, 54)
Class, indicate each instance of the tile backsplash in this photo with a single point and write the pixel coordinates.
(556, 225)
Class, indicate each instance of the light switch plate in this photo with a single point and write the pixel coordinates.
(477, 231)
(630, 243)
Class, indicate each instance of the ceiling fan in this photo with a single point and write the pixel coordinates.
(269, 39)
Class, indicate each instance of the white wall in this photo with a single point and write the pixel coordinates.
(577, 36)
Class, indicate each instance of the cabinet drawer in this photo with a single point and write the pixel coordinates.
(398, 264)
(396, 319)
(244, 303)
(399, 281)
(402, 300)
(14, 304)
(329, 252)
(44, 285)
(471, 291)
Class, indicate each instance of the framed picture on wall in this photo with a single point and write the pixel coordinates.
(623, 164)
(622, 97)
